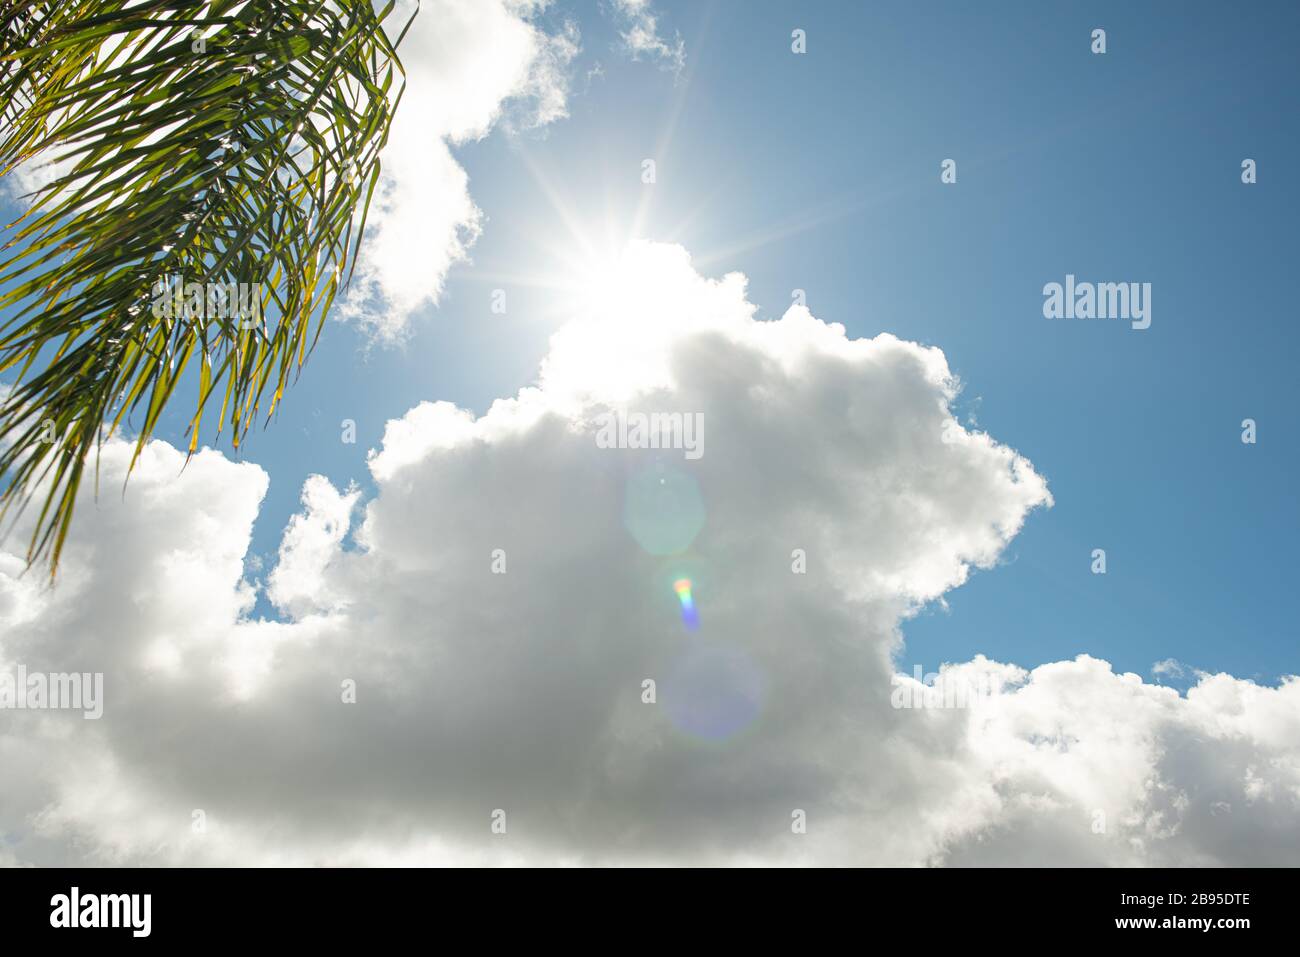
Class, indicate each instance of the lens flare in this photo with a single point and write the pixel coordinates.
(714, 691)
(689, 615)
(663, 509)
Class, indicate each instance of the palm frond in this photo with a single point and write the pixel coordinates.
(211, 142)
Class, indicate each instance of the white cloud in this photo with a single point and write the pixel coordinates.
(641, 38)
(465, 60)
(1169, 668)
(312, 538)
(522, 690)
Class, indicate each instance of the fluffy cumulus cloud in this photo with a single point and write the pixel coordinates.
(466, 62)
(500, 601)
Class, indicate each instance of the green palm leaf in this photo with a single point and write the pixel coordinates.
(211, 142)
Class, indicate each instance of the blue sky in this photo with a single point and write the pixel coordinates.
(397, 685)
(821, 172)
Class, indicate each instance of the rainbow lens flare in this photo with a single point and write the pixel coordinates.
(689, 615)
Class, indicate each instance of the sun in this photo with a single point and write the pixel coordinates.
(581, 248)
(596, 287)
